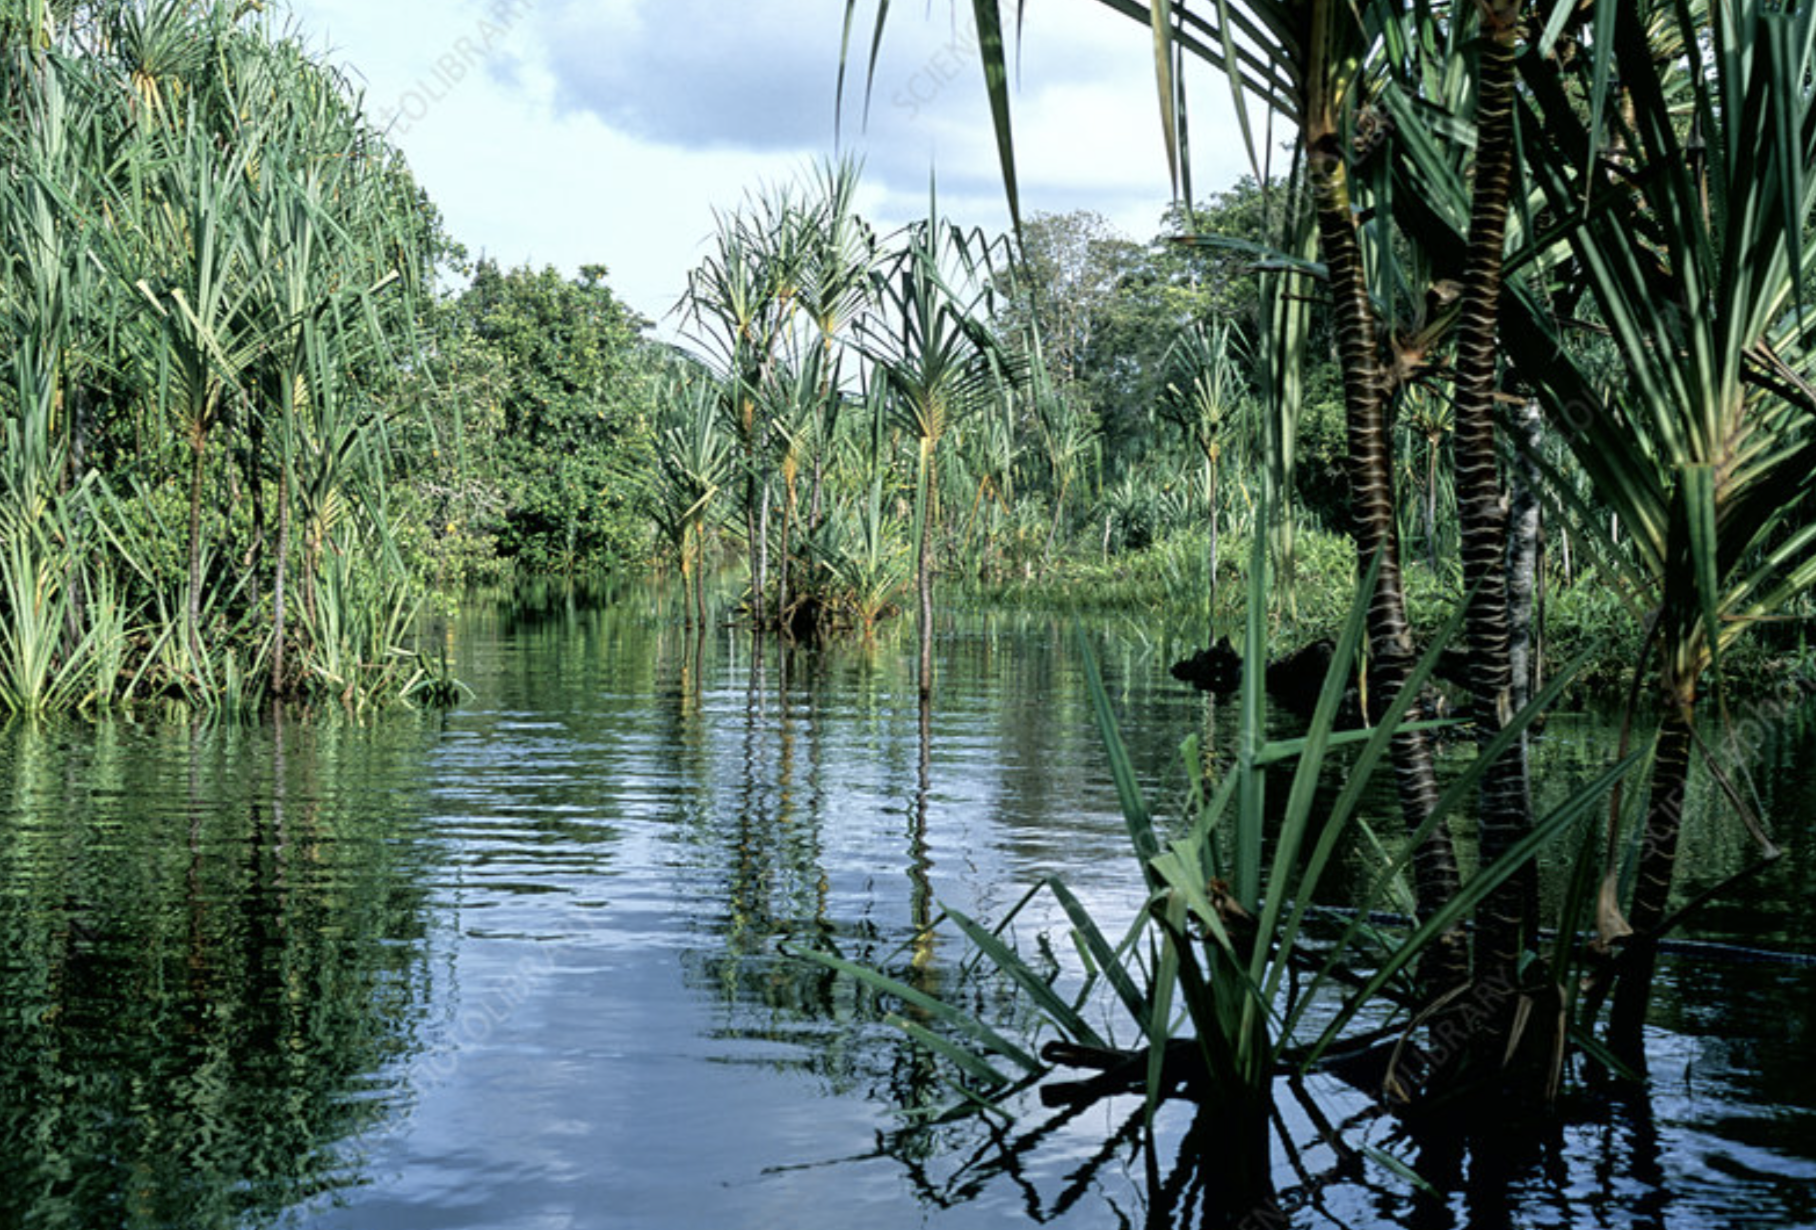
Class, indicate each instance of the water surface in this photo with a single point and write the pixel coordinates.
(520, 965)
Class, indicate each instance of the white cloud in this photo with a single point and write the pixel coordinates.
(698, 73)
(567, 132)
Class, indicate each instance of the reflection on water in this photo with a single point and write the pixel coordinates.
(518, 965)
(207, 962)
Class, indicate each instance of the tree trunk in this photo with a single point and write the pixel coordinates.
(756, 517)
(815, 494)
(1211, 561)
(700, 577)
(1652, 891)
(782, 563)
(1508, 914)
(924, 565)
(192, 608)
(824, 425)
(1376, 534)
(76, 577)
(280, 682)
(253, 561)
(312, 559)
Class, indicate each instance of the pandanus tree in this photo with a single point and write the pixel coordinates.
(1304, 60)
(203, 326)
(1205, 392)
(793, 401)
(275, 222)
(1486, 32)
(993, 451)
(41, 291)
(321, 236)
(939, 360)
(836, 289)
(51, 292)
(1676, 164)
(739, 304)
(207, 216)
(773, 306)
(860, 550)
(1066, 432)
(692, 467)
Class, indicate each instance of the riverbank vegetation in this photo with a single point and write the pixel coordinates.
(267, 409)
(1109, 432)
(244, 434)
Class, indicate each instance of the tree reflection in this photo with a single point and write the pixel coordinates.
(209, 952)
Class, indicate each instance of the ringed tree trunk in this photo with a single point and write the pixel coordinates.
(1375, 528)
(1507, 915)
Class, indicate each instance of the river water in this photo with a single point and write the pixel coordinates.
(521, 964)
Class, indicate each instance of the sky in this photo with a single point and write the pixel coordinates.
(572, 132)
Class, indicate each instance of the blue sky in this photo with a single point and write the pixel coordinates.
(568, 132)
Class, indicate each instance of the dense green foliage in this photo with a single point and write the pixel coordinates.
(210, 270)
(1094, 473)
(234, 445)
(538, 388)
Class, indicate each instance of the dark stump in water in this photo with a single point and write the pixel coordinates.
(1294, 681)
(1217, 669)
